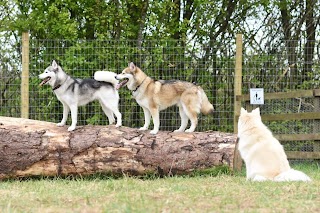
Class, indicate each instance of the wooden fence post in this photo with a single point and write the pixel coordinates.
(316, 125)
(25, 76)
(237, 103)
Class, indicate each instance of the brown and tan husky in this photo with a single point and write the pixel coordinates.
(154, 96)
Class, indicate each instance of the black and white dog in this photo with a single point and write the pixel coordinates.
(72, 92)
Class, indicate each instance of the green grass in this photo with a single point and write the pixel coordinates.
(198, 193)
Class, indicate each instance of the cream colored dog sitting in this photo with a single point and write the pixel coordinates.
(262, 153)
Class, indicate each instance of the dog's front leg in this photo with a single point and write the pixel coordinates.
(66, 111)
(147, 118)
(156, 120)
(74, 113)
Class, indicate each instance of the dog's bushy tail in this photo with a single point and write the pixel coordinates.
(106, 76)
(292, 175)
(206, 106)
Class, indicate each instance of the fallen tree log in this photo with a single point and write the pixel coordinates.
(37, 148)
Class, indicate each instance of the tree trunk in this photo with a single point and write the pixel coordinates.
(311, 40)
(32, 148)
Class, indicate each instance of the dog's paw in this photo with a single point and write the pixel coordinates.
(189, 130)
(71, 128)
(143, 128)
(153, 132)
(112, 121)
(178, 130)
(118, 125)
(60, 124)
(258, 178)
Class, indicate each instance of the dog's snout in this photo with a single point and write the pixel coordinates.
(116, 77)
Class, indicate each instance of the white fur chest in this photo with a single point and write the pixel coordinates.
(65, 96)
(142, 101)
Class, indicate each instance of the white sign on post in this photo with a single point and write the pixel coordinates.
(256, 96)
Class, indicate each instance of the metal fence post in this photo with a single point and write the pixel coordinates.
(237, 103)
(25, 76)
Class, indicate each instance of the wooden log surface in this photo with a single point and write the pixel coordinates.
(38, 148)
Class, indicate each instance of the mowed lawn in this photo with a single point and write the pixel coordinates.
(221, 193)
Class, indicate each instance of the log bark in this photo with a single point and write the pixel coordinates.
(37, 148)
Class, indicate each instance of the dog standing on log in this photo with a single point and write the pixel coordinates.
(154, 96)
(262, 153)
(74, 92)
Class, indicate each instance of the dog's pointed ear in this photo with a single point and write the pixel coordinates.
(242, 111)
(132, 66)
(256, 111)
(54, 64)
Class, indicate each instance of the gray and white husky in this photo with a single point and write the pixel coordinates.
(74, 92)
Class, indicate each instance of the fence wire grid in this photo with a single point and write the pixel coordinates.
(282, 69)
(277, 68)
(159, 59)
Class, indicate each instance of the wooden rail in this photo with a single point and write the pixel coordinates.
(298, 137)
(290, 116)
(282, 95)
(302, 155)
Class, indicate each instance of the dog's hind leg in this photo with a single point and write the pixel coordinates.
(118, 115)
(193, 116)
(115, 110)
(147, 118)
(191, 110)
(113, 107)
(184, 119)
(108, 113)
(74, 117)
(66, 111)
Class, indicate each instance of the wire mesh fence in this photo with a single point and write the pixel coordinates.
(282, 68)
(159, 59)
(273, 68)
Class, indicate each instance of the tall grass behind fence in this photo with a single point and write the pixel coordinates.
(165, 59)
(279, 68)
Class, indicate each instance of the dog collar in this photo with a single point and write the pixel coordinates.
(56, 87)
(59, 85)
(139, 85)
(136, 88)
